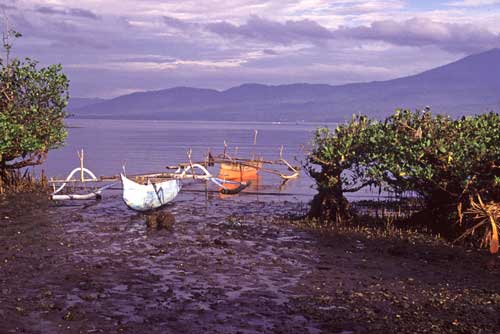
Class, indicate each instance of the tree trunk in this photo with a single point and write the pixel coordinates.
(330, 206)
(440, 214)
(4, 179)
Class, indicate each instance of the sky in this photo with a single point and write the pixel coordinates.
(115, 47)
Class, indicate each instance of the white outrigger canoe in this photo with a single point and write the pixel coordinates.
(146, 197)
(150, 196)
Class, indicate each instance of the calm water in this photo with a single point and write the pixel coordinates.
(149, 146)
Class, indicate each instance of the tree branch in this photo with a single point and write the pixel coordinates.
(34, 159)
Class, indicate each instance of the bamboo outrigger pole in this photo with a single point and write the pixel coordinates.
(191, 162)
(81, 156)
(255, 132)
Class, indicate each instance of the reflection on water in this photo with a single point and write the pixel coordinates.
(253, 180)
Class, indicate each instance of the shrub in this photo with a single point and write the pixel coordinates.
(338, 162)
(32, 102)
(444, 162)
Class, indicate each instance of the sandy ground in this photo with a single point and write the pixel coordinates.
(230, 266)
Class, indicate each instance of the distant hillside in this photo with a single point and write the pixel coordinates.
(469, 85)
(80, 102)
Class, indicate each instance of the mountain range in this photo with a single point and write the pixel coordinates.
(468, 86)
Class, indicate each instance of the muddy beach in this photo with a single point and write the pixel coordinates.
(230, 266)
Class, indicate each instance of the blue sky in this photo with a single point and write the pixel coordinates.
(114, 47)
(426, 4)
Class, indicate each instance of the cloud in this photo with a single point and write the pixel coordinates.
(77, 12)
(145, 66)
(257, 28)
(176, 23)
(42, 35)
(365, 7)
(270, 52)
(147, 59)
(473, 3)
(418, 32)
(423, 32)
(7, 7)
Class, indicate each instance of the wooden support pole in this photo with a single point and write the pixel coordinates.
(191, 162)
(255, 132)
(80, 156)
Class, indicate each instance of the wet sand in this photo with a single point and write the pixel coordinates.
(229, 266)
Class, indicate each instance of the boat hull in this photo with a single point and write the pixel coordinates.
(150, 196)
(239, 172)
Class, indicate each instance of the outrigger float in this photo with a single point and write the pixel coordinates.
(145, 192)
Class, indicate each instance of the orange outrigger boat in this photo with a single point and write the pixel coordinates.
(247, 170)
(233, 171)
(237, 172)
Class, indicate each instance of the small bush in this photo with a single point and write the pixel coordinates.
(32, 102)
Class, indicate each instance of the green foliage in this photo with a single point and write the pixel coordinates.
(340, 151)
(338, 165)
(444, 161)
(32, 102)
